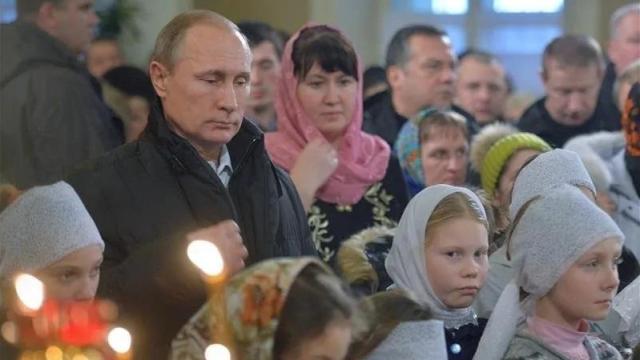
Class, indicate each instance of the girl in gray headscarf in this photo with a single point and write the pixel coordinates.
(48, 232)
(439, 254)
(564, 251)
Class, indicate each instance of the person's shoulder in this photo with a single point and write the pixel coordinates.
(603, 349)
(110, 164)
(532, 116)
(524, 347)
(376, 100)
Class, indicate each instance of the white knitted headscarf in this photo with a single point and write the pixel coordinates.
(553, 232)
(406, 263)
(42, 226)
(545, 172)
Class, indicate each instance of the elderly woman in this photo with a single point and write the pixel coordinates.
(347, 180)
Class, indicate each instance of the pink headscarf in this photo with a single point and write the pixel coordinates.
(363, 158)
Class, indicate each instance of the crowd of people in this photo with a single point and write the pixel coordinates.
(402, 212)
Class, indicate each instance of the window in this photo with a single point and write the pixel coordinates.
(527, 6)
(7, 11)
(450, 7)
(516, 31)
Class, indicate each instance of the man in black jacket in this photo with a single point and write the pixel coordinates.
(50, 116)
(572, 70)
(199, 164)
(420, 66)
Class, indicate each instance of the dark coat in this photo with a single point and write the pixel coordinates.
(380, 118)
(51, 118)
(145, 196)
(606, 98)
(536, 119)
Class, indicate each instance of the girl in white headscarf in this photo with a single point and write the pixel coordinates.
(439, 253)
(48, 232)
(565, 252)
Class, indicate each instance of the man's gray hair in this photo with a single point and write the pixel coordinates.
(169, 41)
(619, 14)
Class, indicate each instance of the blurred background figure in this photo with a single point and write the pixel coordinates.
(266, 48)
(102, 55)
(623, 49)
(128, 92)
(420, 65)
(572, 70)
(374, 81)
(482, 88)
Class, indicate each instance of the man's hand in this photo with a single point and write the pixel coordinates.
(226, 236)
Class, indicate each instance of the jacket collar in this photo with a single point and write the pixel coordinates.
(183, 155)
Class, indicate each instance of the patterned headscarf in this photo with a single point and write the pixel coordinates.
(363, 158)
(255, 298)
(631, 121)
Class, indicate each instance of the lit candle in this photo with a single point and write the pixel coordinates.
(206, 256)
(120, 341)
(30, 292)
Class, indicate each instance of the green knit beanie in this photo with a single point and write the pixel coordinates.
(501, 151)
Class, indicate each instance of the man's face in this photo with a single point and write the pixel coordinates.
(572, 92)
(103, 56)
(205, 94)
(427, 78)
(624, 47)
(265, 72)
(481, 89)
(75, 22)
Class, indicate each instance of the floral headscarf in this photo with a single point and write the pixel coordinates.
(255, 298)
(363, 158)
(631, 121)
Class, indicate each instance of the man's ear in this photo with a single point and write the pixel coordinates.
(394, 76)
(159, 74)
(46, 16)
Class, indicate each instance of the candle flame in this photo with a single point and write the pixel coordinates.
(30, 291)
(217, 352)
(206, 256)
(120, 340)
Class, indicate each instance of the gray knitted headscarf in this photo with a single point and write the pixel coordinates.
(42, 226)
(554, 232)
(413, 340)
(545, 172)
(406, 263)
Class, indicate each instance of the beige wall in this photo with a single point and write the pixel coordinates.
(591, 17)
(287, 15)
(153, 16)
(361, 20)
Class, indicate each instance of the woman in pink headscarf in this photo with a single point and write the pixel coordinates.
(347, 180)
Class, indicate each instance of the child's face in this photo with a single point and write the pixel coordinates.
(75, 276)
(332, 344)
(457, 262)
(585, 291)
